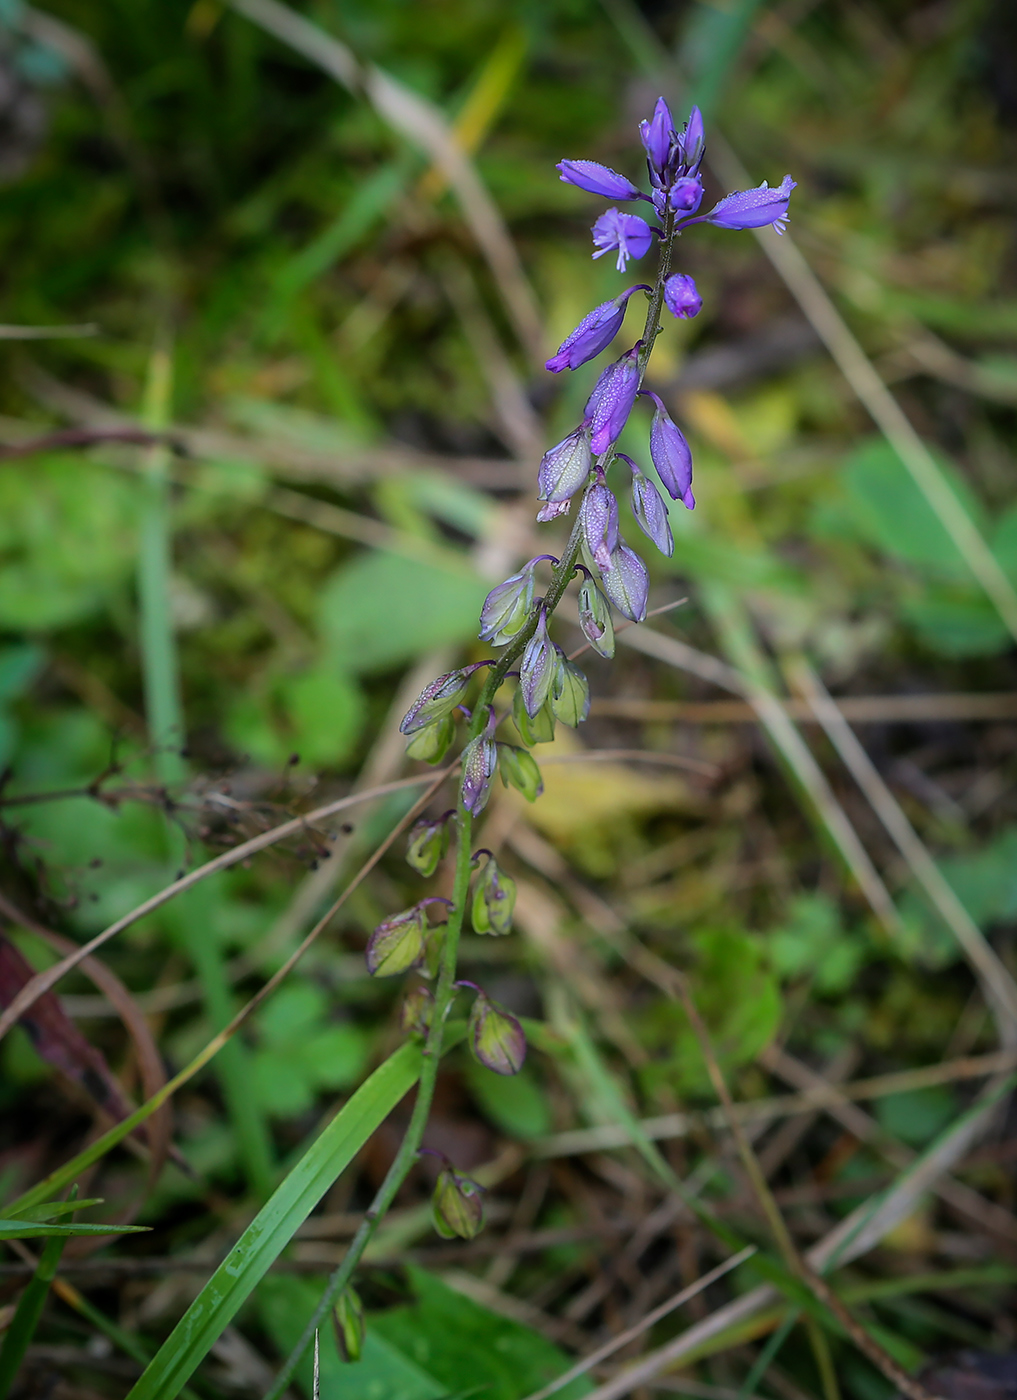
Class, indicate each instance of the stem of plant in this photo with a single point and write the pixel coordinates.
(445, 989)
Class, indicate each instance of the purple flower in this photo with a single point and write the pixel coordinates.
(594, 333)
(627, 583)
(551, 510)
(564, 467)
(439, 698)
(610, 404)
(754, 208)
(536, 669)
(686, 194)
(597, 179)
(681, 296)
(693, 142)
(598, 514)
(649, 509)
(658, 137)
(671, 455)
(630, 235)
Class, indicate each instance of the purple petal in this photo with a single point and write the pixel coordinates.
(593, 334)
(610, 404)
(649, 510)
(599, 516)
(658, 135)
(564, 467)
(693, 141)
(627, 583)
(671, 456)
(686, 194)
(551, 510)
(627, 234)
(754, 208)
(597, 179)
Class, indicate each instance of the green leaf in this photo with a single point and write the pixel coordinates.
(984, 881)
(274, 1226)
(51, 1209)
(383, 610)
(514, 1103)
(31, 1230)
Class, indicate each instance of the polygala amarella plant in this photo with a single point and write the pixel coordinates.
(549, 688)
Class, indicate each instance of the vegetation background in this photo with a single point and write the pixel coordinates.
(208, 229)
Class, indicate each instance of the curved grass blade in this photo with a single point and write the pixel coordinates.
(274, 1226)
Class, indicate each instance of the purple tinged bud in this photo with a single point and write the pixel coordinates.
(625, 234)
(416, 1011)
(494, 899)
(496, 1037)
(594, 332)
(754, 208)
(479, 759)
(439, 698)
(627, 583)
(693, 141)
(671, 456)
(595, 618)
(610, 404)
(457, 1207)
(397, 944)
(519, 770)
(570, 693)
(658, 135)
(507, 606)
(564, 468)
(596, 179)
(681, 296)
(537, 667)
(598, 514)
(649, 509)
(427, 843)
(687, 194)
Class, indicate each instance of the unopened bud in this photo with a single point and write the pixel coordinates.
(627, 583)
(598, 514)
(348, 1321)
(507, 607)
(595, 618)
(397, 944)
(480, 757)
(496, 1037)
(536, 669)
(536, 730)
(649, 509)
(416, 1011)
(519, 770)
(432, 743)
(427, 844)
(439, 698)
(494, 898)
(570, 693)
(457, 1207)
(564, 468)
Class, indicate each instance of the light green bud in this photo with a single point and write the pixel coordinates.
(539, 729)
(570, 693)
(519, 770)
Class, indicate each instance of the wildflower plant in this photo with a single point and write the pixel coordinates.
(549, 688)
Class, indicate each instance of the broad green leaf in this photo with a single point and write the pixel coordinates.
(30, 1229)
(383, 610)
(514, 1103)
(957, 623)
(317, 714)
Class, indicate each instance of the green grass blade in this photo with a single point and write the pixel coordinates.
(31, 1230)
(26, 1318)
(274, 1226)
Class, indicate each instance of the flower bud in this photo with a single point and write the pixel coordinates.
(537, 667)
(658, 137)
(596, 179)
(494, 898)
(438, 699)
(570, 693)
(479, 759)
(397, 944)
(348, 1321)
(456, 1206)
(519, 770)
(693, 141)
(539, 729)
(627, 583)
(598, 514)
(681, 296)
(595, 618)
(649, 509)
(427, 844)
(564, 468)
(671, 456)
(416, 1011)
(610, 404)
(496, 1037)
(507, 607)
(686, 195)
(551, 510)
(594, 333)
(432, 743)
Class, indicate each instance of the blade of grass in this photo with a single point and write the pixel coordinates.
(26, 1317)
